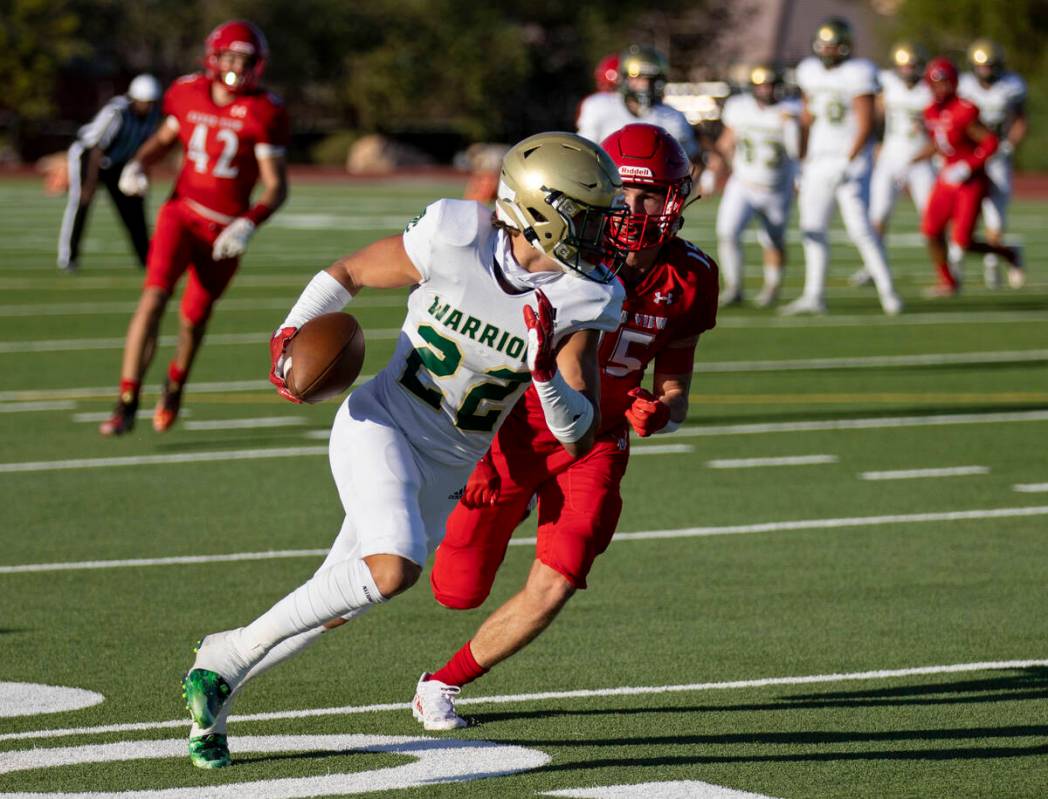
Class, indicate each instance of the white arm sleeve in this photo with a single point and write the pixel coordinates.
(323, 294)
(568, 412)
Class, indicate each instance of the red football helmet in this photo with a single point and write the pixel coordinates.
(941, 70)
(238, 36)
(648, 156)
(606, 73)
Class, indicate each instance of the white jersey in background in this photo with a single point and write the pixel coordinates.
(998, 105)
(904, 136)
(459, 363)
(761, 185)
(602, 114)
(829, 93)
(828, 177)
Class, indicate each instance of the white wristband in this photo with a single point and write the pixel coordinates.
(670, 427)
(323, 294)
(568, 412)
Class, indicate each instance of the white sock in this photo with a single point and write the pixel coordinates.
(329, 594)
(772, 276)
(873, 258)
(955, 258)
(816, 257)
(729, 257)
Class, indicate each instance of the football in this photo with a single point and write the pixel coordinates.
(324, 357)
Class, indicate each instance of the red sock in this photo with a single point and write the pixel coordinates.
(946, 277)
(176, 376)
(129, 391)
(461, 669)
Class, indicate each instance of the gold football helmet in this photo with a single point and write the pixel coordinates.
(833, 41)
(561, 191)
(986, 56)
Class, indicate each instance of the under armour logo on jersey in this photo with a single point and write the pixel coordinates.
(666, 298)
(238, 111)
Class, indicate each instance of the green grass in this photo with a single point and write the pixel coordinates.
(660, 612)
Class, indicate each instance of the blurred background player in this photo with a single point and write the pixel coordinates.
(233, 134)
(404, 443)
(965, 145)
(1000, 96)
(671, 298)
(642, 73)
(101, 150)
(901, 103)
(837, 124)
(759, 140)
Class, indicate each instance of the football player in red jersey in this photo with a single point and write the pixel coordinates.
(965, 144)
(233, 134)
(671, 298)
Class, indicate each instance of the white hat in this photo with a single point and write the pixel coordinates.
(144, 88)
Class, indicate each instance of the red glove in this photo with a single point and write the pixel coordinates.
(483, 486)
(277, 352)
(647, 415)
(541, 360)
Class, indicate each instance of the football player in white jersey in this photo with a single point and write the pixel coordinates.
(760, 141)
(1000, 96)
(836, 148)
(901, 103)
(404, 443)
(642, 80)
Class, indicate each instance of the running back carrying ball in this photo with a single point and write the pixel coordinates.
(324, 357)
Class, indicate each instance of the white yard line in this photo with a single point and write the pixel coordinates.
(89, 417)
(873, 423)
(661, 449)
(219, 387)
(246, 424)
(873, 361)
(917, 474)
(42, 405)
(151, 460)
(787, 460)
(545, 696)
(684, 532)
(1030, 488)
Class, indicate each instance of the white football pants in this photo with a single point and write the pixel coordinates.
(892, 171)
(739, 204)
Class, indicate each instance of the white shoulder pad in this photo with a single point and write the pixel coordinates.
(806, 71)
(862, 76)
(443, 224)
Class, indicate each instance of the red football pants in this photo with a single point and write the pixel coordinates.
(578, 511)
(182, 241)
(958, 204)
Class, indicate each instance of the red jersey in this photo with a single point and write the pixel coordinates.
(676, 300)
(948, 125)
(222, 143)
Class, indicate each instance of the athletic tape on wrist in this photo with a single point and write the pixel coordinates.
(568, 412)
(323, 294)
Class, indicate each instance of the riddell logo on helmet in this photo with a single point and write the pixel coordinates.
(635, 172)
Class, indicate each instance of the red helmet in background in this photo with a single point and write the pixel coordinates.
(648, 156)
(238, 36)
(606, 73)
(941, 70)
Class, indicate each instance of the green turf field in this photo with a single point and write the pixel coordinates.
(818, 617)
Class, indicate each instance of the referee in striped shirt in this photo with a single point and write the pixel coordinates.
(101, 149)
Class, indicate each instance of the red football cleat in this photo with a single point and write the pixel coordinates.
(166, 411)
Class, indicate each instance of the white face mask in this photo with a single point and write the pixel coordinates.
(517, 275)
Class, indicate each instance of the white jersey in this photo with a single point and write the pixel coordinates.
(460, 360)
(603, 113)
(904, 131)
(829, 93)
(998, 103)
(765, 140)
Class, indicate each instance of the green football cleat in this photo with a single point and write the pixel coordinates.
(205, 692)
(209, 751)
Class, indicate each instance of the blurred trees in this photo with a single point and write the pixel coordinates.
(470, 70)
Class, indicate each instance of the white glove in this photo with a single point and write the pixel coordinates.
(232, 241)
(956, 174)
(133, 181)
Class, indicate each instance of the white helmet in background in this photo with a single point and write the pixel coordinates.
(145, 89)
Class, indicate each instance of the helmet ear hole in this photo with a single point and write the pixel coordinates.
(536, 214)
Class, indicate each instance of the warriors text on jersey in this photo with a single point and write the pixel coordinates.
(222, 143)
(460, 360)
(829, 92)
(765, 138)
(904, 105)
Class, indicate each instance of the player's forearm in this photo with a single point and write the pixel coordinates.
(1017, 132)
(273, 174)
(864, 119)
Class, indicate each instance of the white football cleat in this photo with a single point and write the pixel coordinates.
(891, 304)
(860, 278)
(768, 296)
(803, 305)
(434, 705)
(991, 273)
